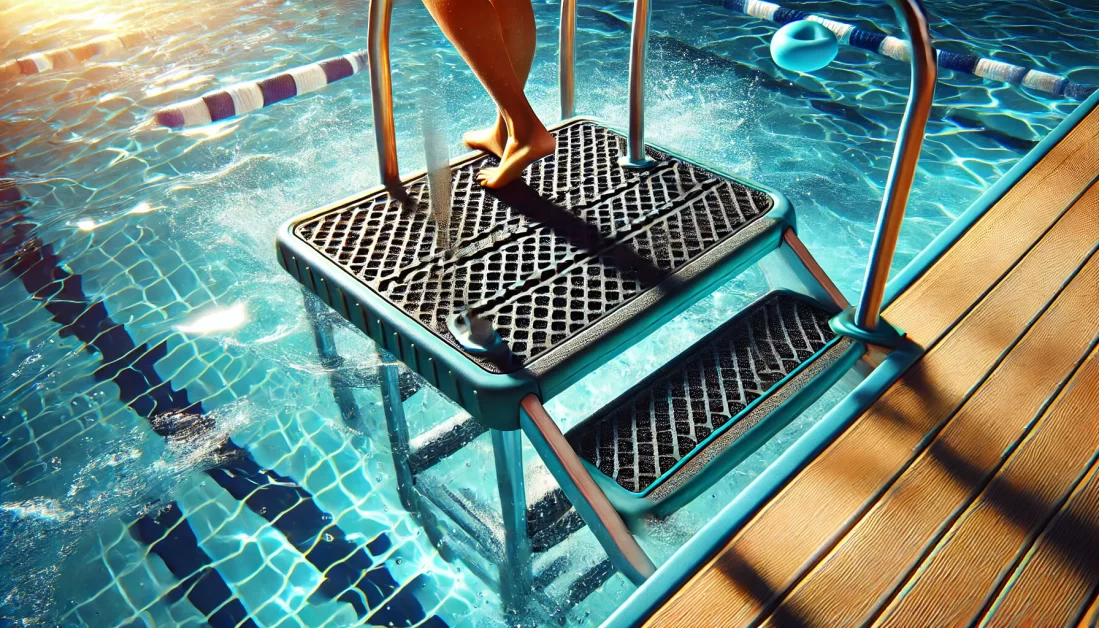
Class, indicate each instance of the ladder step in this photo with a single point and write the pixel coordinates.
(725, 384)
(446, 438)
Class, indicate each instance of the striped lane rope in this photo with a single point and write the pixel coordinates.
(244, 97)
(71, 56)
(896, 48)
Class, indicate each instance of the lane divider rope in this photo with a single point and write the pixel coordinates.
(896, 48)
(71, 56)
(241, 98)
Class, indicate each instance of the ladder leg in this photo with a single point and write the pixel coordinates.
(515, 569)
(395, 422)
(817, 280)
(397, 426)
(586, 496)
(792, 265)
(330, 359)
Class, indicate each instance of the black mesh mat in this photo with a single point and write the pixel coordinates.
(544, 259)
(645, 435)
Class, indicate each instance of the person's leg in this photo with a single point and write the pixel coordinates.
(517, 22)
(474, 29)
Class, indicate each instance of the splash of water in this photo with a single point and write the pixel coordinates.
(438, 168)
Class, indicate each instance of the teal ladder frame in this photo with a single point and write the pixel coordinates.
(862, 323)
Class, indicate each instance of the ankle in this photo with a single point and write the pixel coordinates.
(525, 127)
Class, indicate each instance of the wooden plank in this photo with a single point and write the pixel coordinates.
(851, 582)
(937, 299)
(1091, 615)
(818, 506)
(1056, 580)
(968, 565)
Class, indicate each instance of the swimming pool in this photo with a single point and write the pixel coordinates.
(152, 247)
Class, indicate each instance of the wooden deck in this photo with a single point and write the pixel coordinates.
(969, 492)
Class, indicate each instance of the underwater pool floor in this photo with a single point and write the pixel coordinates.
(171, 452)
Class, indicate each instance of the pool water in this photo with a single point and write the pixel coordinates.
(171, 452)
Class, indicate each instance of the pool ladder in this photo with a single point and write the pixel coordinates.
(861, 324)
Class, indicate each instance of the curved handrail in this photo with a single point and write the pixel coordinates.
(381, 91)
(902, 170)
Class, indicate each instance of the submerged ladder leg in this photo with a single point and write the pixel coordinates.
(586, 496)
(516, 578)
(330, 359)
(397, 426)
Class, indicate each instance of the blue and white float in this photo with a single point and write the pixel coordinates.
(804, 46)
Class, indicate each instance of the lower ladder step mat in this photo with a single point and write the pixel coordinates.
(543, 259)
(666, 418)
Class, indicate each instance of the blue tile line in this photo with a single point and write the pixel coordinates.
(170, 537)
(895, 48)
(349, 573)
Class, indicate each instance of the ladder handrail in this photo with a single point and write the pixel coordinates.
(635, 156)
(902, 169)
(566, 59)
(381, 91)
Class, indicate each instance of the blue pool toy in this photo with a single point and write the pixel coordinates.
(804, 46)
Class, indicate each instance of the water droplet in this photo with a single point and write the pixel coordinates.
(399, 561)
(467, 464)
(329, 537)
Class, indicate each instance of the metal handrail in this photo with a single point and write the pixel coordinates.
(639, 46)
(902, 170)
(635, 156)
(381, 91)
(566, 59)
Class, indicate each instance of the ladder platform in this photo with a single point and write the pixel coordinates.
(570, 265)
(660, 443)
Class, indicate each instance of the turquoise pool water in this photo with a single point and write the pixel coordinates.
(170, 450)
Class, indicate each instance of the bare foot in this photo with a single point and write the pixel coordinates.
(517, 156)
(491, 140)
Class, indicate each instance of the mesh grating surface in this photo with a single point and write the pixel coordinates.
(667, 419)
(581, 238)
